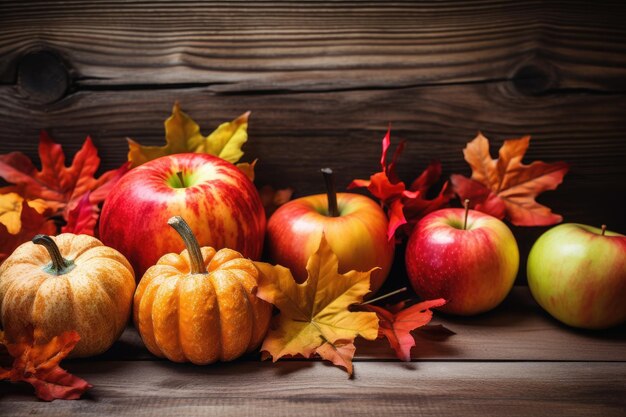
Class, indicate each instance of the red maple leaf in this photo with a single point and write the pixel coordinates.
(38, 364)
(403, 206)
(82, 218)
(59, 186)
(504, 187)
(396, 323)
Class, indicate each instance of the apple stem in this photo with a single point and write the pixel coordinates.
(331, 192)
(193, 247)
(384, 296)
(59, 264)
(466, 205)
(179, 174)
(603, 229)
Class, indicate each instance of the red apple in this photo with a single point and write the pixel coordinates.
(470, 261)
(578, 274)
(354, 226)
(219, 202)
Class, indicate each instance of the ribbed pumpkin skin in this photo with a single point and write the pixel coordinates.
(201, 318)
(94, 298)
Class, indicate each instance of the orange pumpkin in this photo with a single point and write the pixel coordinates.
(200, 306)
(67, 282)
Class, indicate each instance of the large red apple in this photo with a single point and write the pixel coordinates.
(472, 264)
(578, 274)
(354, 226)
(219, 202)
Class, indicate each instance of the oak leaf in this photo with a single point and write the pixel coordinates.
(31, 221)
(182, 134)
(505, 187)
(59, 187)
(37, 363)
(404, 206)
(397, 322)
(315, 316)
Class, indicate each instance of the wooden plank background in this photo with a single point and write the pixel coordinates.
(324, 79)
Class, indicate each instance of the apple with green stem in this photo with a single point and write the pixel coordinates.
(354, 226)
(220, 203)
(467, 257)
(577, 273)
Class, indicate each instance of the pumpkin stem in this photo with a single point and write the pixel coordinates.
(59, 264)
(195, 255)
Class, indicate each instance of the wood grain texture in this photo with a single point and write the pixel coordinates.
(518, 330)
(314, 389)
(324, 79)
(243, 46)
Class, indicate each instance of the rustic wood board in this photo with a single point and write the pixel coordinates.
(518, 330)
(315, 389)
(324, 79)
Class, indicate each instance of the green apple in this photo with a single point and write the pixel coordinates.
(577, 273)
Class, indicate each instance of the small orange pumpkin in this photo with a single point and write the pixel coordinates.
(199, 306)
(67, 282)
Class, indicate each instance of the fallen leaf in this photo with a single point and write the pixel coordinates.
(397, 322)
(316, 312)
(340, 354)
(182, 135)
(37, 362)
(404, 206)
(504, 187)
(11, 210)
(57, 186)
(32, 222)
(82, 218)
(272, 199)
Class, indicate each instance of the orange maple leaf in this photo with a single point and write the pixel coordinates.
(505, 187)
(397, 322)
(38, 364)
(314, 316)
(58, 186)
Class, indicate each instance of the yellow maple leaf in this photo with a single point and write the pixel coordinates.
(182, 135)
(315, 314)
(11, 210)
(248, 168)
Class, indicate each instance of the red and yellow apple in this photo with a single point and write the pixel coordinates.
(578, 274)
(356, 232)
(467, 257)
(219, 202)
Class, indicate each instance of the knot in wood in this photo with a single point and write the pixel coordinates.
(532, 79)
(42, 77)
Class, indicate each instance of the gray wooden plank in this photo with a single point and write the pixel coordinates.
(314, 389)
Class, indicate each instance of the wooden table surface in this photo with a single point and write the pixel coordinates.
(323, 81)
(513, 361)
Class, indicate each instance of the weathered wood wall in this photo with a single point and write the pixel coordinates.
(323, 80)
